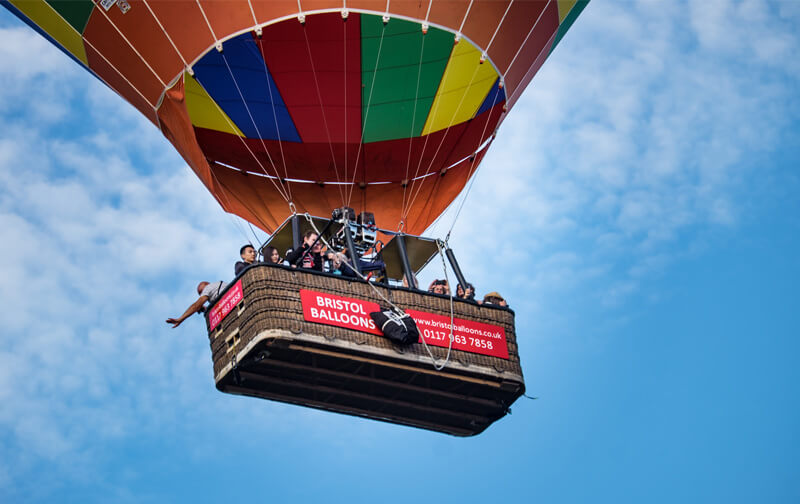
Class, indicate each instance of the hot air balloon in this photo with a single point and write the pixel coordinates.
(288, 109)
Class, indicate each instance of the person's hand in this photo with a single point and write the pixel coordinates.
(175, 322)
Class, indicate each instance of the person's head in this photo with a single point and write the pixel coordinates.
(200, 287)
(468, 293)
(309, 238)
(337, 259)
(439, 287)
(248, 253)
(271, 255)
(494, 298)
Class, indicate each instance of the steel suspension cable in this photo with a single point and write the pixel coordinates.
(275, 119)
(366, 115)
(413, 120)
(472, 175)
(456, 110)
(514, 59)
(288, 194)
(281, 190)
(322, 108)
(396, 308)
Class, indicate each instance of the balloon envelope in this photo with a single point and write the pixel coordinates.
(386, 107)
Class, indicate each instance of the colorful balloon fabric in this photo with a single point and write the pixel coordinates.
(282, 106)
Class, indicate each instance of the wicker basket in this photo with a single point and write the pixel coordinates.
(265, 348)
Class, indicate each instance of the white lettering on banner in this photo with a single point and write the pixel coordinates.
(335, 310)
(340, 304)
(468, 335)
(460, 328)
(343, 318)
(224, 306)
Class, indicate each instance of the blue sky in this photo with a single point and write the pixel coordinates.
(639, 210)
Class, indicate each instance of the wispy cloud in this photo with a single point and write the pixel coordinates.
(105, 233)
(636, 139)
(641, 133)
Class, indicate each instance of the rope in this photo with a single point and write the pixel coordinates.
(441, 142)
(236, 223)
(287, 192)
(122, 76)
(460, 28)
(470, 176)
(396, 308)
(407, 209)
(413, 119)
(275, 118)
(322, 108)
(520, 88)
(366, 116)
(526, 40)
(85, 41)
(283, 192)
(253, 12)
(466, 194)
(213, 35)
(498, 26)
(255, 158)
(103, 12)
(227, 202)
(258, 240)
(344, 86)
(164, 31)
(238, 226)
(436, 366)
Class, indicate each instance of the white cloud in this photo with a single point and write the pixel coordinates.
(105, 233)
(632, 142)
(633, 138)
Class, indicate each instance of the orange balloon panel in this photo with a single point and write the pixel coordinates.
(258, 199)
(366, 107)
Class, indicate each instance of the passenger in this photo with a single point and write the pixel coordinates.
(310, 260)
(468, 294)
(272, 256)
(373, 269)
(248, 254)
(336, 263)
(494, 298)
(207, 292)
(439, 287)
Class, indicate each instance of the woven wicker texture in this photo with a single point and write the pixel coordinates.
(272, 301)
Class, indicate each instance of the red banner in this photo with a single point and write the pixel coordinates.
(224, 306)
(468, 336)
(338, 311)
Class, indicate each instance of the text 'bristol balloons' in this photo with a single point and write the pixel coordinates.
(279, 105)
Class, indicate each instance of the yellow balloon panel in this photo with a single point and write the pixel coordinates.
(564, 6)
(54, 25)
(464, 86)
(203, 111)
